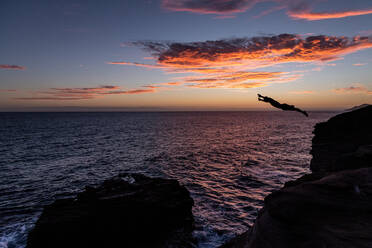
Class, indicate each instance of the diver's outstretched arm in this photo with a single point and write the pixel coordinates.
(262, 98)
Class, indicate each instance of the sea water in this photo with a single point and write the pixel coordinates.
(229, 161)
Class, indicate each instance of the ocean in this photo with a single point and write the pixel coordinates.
(229, 161)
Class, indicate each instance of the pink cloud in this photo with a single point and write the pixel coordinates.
(12, 67)
(83, 93)
(354, 89)
(314, 16)
(171, 83)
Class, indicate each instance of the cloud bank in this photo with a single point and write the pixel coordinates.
(229, 63)
(296, 9)
(82, 93)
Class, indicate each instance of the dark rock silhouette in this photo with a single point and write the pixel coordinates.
(332, 207)
(130, 210)
(358, 107)
(282, 106)
(343, 142)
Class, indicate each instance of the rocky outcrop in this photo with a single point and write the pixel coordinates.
(130, 210)
(334, 212)
(343, 142)
(332, 207)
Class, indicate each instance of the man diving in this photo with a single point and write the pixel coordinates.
(282, 106)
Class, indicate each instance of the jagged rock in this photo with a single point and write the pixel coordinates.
(130, 210)
(330, 208)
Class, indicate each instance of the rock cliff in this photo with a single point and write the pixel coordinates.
(343, 142)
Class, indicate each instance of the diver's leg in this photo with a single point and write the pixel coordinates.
(301, 111)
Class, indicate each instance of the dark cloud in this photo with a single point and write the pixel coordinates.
(209, 6)
(296, 9)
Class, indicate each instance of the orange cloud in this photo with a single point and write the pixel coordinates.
(254, 80)
(354, 89)
(248, 85)
(313, 16)
(359, 64)
(253, 52)
(151, 86)
(229, 62)
(12, 67)
(171, 83)
(83, 93)
(304, 92)
(234, 77)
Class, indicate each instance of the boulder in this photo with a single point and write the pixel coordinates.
(130, 210)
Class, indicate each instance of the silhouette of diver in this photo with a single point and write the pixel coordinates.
(282, 106)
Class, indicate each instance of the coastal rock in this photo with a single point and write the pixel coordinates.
(130, 210)
(332, 207)
(334, 212)
(339, 142)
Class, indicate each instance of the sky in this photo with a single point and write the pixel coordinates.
(184, 54)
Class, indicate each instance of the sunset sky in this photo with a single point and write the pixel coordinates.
(184, 54)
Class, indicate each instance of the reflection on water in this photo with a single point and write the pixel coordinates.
(228, 160)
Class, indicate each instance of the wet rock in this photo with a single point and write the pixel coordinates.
(130, 210)
(332, 207)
